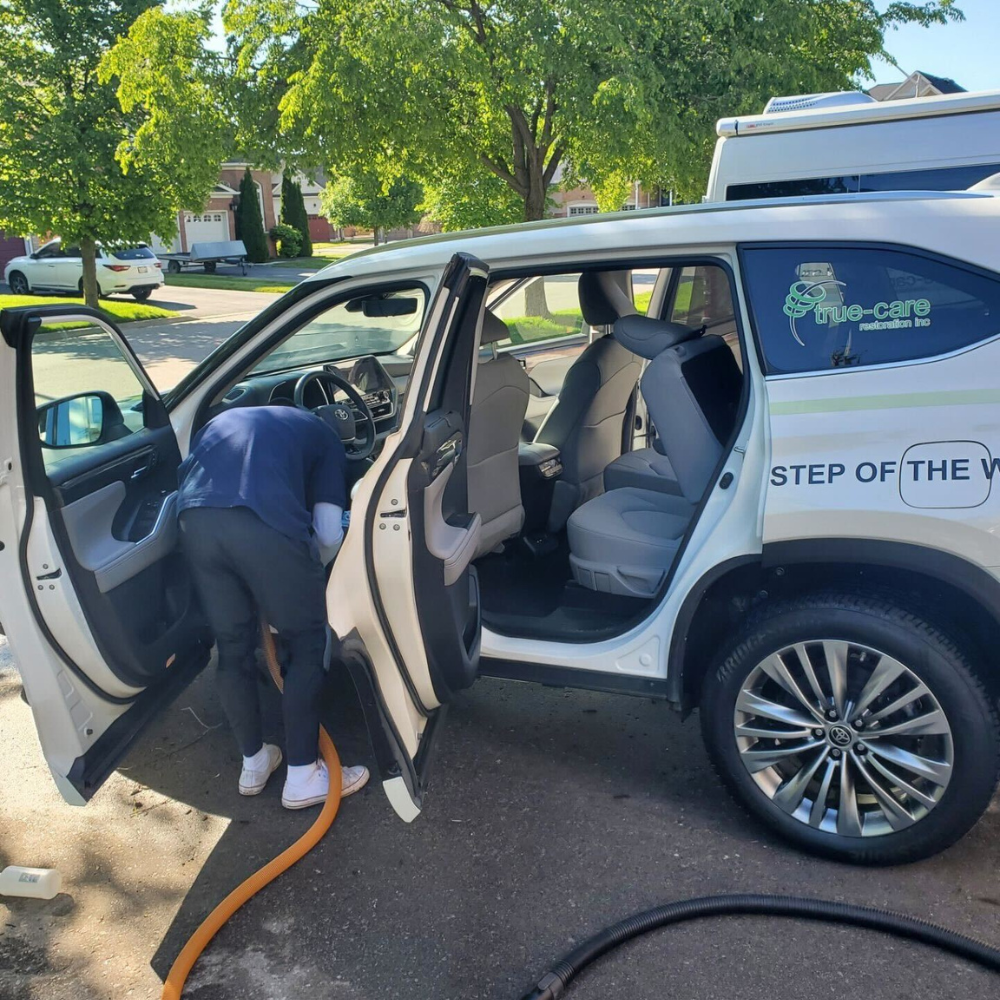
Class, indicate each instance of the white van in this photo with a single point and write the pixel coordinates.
(809, 552)
(848, 143)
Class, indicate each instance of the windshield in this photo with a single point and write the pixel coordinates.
(372, 324)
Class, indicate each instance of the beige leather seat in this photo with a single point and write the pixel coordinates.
(499, 402)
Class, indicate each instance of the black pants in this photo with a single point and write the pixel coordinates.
(242, 568)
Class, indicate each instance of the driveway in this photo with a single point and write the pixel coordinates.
(551, 814)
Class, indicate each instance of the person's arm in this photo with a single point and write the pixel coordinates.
(328, 528)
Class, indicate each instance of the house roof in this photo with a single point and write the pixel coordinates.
(942, 84)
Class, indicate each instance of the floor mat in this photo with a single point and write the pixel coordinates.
(538, 598)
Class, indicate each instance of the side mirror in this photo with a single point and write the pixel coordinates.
(33, 255)
(78, 421)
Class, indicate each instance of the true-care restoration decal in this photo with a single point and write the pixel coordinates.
(932, 474)
(823, 299)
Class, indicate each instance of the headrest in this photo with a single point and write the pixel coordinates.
(606, 296)
(649, 337)
(494, 329)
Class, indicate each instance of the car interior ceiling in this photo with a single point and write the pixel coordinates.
(548, 445)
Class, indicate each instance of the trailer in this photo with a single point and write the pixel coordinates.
(208, 256)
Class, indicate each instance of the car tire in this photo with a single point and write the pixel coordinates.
(141, 294)
(854, 643)
(18, 284)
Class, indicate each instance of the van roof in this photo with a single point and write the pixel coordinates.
(561, 235)
(859, 114)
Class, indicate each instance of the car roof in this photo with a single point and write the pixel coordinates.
(882, 216)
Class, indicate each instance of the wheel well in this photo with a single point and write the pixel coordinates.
(728, 602)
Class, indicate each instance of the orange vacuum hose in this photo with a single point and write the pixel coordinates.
(173, 986)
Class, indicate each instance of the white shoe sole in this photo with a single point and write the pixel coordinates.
(319, 799)
(257, 789)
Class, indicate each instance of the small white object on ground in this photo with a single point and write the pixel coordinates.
(36, 883)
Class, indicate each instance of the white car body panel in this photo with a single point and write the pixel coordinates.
(735, 522)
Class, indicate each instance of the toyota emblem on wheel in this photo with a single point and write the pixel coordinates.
(841, 737)
(340, 413)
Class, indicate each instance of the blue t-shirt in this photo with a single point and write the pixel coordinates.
(278, 461)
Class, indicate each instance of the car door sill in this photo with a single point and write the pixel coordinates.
(90, 771)
(573, 677)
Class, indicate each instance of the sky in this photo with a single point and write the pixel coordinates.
(966, 52)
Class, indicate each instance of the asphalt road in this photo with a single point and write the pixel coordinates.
(551, 814)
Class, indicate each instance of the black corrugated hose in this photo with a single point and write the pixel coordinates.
(555, 981)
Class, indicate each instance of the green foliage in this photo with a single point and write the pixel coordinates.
(364, 201)
(108, 121)
(250, 221)
(288, 238)
(452, 93)
(471, 200)
(293, 213)
(227, 284)
(561, 323)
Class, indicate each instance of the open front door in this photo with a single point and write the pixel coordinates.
(97, 604)
(411, 628)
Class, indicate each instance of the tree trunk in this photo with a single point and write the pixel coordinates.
(88, 251)
(534, 200)
(535, 303)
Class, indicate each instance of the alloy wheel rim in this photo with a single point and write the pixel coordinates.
(844, 738)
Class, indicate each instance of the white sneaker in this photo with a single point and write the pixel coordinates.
(313, 790)
(253, 780)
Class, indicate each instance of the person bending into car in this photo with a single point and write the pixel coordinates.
(261, 502)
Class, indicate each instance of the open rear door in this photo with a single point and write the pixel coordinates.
(411, 626)
(97, 604)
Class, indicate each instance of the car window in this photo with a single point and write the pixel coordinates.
(86, 393)
(817, 309)
(133, 253)
(375, 324)
(71, 252)
(50, 251)
(544, 308)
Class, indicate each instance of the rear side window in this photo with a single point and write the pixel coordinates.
(816, 308)
(133, 253)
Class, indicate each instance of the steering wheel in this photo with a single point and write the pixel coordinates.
(345, 418)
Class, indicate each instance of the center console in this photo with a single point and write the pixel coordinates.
(539, 466)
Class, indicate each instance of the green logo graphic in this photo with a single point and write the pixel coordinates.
(802, 298)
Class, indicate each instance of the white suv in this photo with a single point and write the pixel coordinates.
(736, 457)
(132, 270)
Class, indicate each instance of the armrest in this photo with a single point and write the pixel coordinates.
(539, 459)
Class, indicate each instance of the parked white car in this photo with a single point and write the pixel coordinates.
(808, 547)
(132, 270)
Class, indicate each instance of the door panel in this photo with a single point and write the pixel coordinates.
(417, 622)
(106, 627)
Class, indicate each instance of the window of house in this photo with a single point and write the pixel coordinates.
(582, 210)
(822, 308)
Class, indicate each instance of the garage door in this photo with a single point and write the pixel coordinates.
(210, 227)
(10, 247)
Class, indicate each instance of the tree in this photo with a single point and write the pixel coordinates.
(250, 221)
(515, 88)
(293, 212)
(365, 202)
(108, 121)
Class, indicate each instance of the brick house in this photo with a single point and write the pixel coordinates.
(217, 220)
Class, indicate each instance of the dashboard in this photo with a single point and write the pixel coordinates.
(380, 382)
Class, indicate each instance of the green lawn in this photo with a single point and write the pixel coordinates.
(226, 284)
(118, 309)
